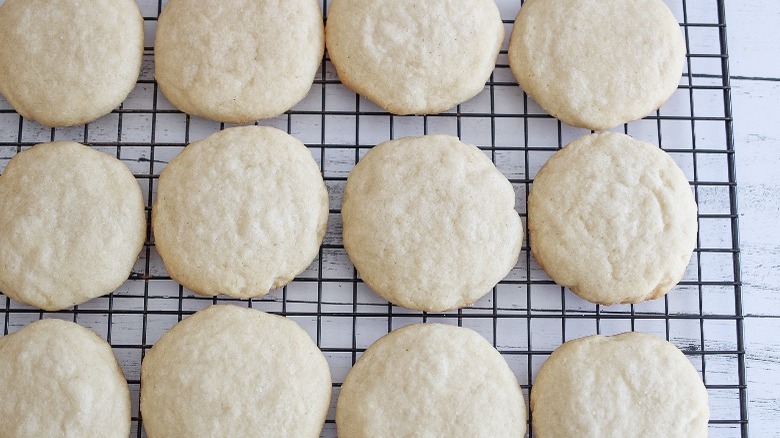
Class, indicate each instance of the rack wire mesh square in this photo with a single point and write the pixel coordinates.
(526, 316)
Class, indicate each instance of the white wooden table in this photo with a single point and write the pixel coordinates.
(755, 68)
(148, 119)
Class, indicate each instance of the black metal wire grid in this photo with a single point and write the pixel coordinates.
(526, 316)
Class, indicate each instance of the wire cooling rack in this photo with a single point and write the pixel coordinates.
(526, 316)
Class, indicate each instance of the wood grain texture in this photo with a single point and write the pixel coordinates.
(763, 362)
(758, 174)
(151, 136)
(753, 43)
(756, 137)
(755, 52)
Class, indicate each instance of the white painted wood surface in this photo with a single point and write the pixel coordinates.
(755, 53)
(752, 28)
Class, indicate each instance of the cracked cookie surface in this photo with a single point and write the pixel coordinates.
(430, 223)
(631, 384)
(413, 57)
(238, 60)
(597, 63)
(612, 218)
(240, 212)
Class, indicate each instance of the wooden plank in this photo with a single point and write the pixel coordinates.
(763, 367)
(753, 45)
(755, 53)
(757, 135)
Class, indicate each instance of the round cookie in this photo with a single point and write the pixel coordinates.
(240, 213)
(238, 60)
(60, 379)
(607, 62)
(68, 62)
(72, 223)
(631, 384)
(612, 218)
(429, 222)
(413, 57)
(234, 372)
(431, 380)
